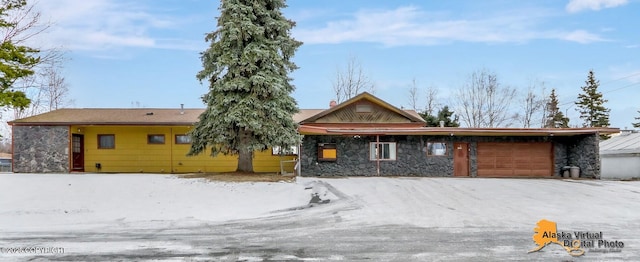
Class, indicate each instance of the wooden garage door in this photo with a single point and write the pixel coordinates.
(515, 159)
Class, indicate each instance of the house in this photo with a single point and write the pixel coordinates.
(366, 136)
(363, 136)
(620, 156)
(119, 140)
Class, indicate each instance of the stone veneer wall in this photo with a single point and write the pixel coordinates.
(353, 155)
(584, 152)
(40, 149)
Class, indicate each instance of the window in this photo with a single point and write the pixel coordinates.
(382, 151)
(327, 152)
(292, 151)
(106, 141)
(364, 108)
(183, 139)
(436, 149)
(155, 139)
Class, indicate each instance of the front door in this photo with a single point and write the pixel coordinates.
(461, 159)
(77, 152)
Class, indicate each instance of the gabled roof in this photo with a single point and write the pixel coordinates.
(127, 116)
(409, 114)
(624, 143)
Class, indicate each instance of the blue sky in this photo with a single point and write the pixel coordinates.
(146, 52)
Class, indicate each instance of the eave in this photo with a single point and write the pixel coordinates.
(448, 131)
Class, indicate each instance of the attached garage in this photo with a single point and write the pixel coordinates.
(515, 159)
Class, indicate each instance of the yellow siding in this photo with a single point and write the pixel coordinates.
(132, 153)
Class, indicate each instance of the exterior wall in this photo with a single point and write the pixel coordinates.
(583, 152)
(353, 155)
(621, 166)
(132, 153)
(46, 149)
(40, 149)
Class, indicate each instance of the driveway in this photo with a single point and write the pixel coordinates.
(373, 219)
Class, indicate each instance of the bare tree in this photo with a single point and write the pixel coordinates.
(532, 104)
(431, 99)
(351, 80)
(432, 103)
(47, 90)
(483, 102)
(414, 94)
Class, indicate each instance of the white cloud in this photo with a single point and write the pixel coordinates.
(575, 6)
(411, 26)
(100, 25)
(582, 36)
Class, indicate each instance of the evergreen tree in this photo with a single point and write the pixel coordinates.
(636, 124)
(591, 104)
(16, 61)
(249, 103)
(554, 117)
(443, 115)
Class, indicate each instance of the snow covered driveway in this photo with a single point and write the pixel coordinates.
(160, 217)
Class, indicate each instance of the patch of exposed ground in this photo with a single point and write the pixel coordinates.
(242, 177)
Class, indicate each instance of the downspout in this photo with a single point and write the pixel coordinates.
(377, 155)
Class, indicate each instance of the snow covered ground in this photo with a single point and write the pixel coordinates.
(162, 217)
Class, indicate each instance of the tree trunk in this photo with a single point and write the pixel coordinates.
(245, 162)
(245, 155)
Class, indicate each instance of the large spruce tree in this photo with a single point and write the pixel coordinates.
(591, 104)
(553, 116)
(16, 61)
(249, 103)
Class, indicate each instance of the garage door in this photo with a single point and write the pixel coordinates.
(515, 159)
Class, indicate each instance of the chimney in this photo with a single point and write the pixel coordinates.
(441, 123)
(332, 103)
(182, 109)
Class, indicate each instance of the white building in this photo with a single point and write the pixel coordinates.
(620, 156)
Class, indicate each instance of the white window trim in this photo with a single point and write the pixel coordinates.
(393, 151)
(446, 148)
(275, 150)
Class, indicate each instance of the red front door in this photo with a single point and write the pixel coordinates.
(461, 159)
(77, 152)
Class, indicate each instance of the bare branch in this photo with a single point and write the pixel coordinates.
(413, 95)
(483, 102)
(351, 81)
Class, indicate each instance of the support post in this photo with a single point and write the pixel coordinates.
(377, 155)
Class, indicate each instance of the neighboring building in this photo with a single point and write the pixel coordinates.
(621, 156)
(363, 136)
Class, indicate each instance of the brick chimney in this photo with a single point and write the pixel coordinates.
(332, 103)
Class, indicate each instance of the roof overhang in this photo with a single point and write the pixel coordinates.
(450, 131)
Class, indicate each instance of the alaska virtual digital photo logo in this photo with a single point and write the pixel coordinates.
(546, 232)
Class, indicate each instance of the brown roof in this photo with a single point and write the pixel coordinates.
(410, 114)
(456, 131)
(127, 116)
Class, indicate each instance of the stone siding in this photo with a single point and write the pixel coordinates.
(353, 155)
(584, 152)
(40, 149)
